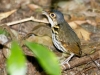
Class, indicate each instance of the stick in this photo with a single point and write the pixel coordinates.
(82, 60)
(24, 20)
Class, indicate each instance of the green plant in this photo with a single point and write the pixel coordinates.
(46, 58)
(16, 62)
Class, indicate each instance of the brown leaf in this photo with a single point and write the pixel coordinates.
(44, 40)
(82, 33)
(34, 6)
(74, 17)
(6, 49)
(6, 14)
(92, 22)
(71, 5)
(80, 19)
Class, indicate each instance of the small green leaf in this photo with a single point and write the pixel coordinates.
(3, 31)
(16, 61)
(46, 58)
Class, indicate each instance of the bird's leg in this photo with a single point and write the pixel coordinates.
(67, 60)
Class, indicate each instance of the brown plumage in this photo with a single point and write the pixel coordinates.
(69, 39)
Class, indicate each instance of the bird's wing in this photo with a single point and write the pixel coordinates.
(69, 39)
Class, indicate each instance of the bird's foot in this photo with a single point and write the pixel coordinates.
(67, 61)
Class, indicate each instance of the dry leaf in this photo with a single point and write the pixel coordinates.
(80, 22)
(82, 33)
(92, 22)
(44, 40)
(6, 14)
(71, 5)
(6, 50)
(74, 16)
(80, 19)
(34, 6)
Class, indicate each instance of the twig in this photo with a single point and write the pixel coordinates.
(24, 20)
(83, 60)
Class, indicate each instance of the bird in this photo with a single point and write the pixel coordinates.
(63, 36)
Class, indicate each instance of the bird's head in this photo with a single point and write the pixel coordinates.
(55, 17)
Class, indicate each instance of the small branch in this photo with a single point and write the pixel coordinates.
(24, 20)
(82, 60)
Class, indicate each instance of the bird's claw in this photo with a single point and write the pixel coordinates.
(63, 64)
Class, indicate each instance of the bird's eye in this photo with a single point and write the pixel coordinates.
(52, 15)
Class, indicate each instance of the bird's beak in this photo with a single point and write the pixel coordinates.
(49, 19)
(45, 13)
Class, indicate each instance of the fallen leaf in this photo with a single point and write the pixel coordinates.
(34, 6)
(80, 22)
(44, 40)
(6, 14)
(74, 17)
(82, 33)
(81, 18)
(6, 49)
(71, 5)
